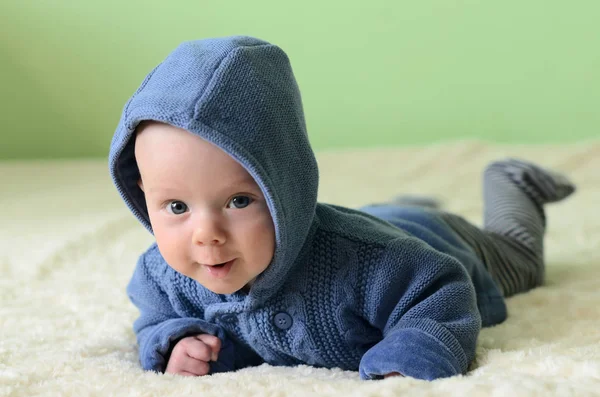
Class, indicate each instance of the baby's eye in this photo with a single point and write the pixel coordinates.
(177, 207)
(240, 202)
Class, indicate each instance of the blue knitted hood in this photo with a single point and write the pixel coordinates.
(240, 94)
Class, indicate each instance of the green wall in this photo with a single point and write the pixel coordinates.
(372, 73)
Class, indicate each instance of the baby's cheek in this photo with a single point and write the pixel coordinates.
(257, 238)
(264, 230)
(267, 240)
(171, 249)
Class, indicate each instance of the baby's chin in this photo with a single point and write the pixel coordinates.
(228, 289)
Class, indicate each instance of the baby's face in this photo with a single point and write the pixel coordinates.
(209, 217)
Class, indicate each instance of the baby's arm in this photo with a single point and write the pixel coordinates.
(163, 335)
(424, 303)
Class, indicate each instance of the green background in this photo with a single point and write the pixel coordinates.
(372, 73)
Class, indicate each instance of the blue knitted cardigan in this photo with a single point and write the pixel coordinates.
(384, 289)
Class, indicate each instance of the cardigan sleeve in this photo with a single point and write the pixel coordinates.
(424, 304)
(159, 327)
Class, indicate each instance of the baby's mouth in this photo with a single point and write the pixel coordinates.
(219, 270)
(216, 264)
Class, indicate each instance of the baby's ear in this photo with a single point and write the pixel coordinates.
(141, 184)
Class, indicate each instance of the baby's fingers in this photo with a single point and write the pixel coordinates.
(213, 342)
(183, 364)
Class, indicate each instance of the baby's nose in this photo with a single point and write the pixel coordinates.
(209, 232)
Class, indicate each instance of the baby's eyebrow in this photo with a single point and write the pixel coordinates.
(237, 185)
(243, 183)
(162, 189)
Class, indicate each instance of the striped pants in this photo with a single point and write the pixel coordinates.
(511, 242)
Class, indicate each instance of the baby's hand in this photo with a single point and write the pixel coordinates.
(191, 355)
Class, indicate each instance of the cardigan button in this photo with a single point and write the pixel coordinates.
(228, 318)
(283, 320)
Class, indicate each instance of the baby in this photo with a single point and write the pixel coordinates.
(212, 156)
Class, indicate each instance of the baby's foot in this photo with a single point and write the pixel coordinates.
(542, 185)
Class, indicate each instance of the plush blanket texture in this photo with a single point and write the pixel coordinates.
(68, 246)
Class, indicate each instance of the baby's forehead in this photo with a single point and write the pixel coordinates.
(165, 150)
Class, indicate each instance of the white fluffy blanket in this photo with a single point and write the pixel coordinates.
(68, 246)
